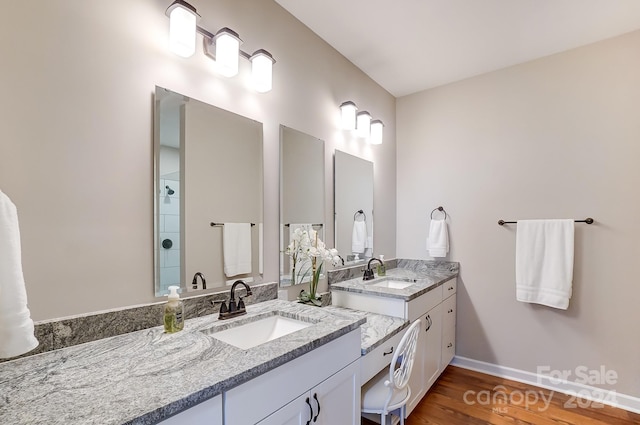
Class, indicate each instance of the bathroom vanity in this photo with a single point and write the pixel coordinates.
(422, 290)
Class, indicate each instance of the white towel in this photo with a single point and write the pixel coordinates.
(359, 237)
(304, 267)
(16, 326)
(544, 262)
(438, 240)
(236, 245)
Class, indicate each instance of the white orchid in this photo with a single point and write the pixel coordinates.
(305, 246)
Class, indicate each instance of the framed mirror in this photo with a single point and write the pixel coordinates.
(208, 189)
(353, 207)
(301, 195)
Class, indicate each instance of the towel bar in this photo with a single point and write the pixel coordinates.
(587, 220)
(222, 224)
(312, 225)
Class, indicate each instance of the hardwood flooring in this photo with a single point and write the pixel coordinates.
(465, 397)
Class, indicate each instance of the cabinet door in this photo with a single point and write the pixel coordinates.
(448, 330)
(433, 349)
(206, 413)
(417, 380)
(337, 400)
(298, 412)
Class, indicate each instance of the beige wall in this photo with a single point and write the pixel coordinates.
(76, 152)
(553, 138)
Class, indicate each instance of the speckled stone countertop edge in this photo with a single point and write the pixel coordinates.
(87, 372)
(422, 285)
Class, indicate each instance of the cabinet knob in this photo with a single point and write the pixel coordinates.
(450, 345)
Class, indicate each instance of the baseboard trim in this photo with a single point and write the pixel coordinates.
(584, 392)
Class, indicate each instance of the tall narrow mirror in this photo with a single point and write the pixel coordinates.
(208, 195)
(353, 207)
(301, 195)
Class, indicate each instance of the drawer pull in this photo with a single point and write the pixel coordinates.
(450, 288)
(315, 396)
(450, 310)
(388, 352)
(310, 411)
(429, 323)
(450, 345)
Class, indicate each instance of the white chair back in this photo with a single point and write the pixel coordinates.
(402, 362)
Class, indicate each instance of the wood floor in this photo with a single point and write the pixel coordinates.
(464, 397)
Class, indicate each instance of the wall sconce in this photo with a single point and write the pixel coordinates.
(377, 128)
(348, 115)
(223, 47)
(361, 122)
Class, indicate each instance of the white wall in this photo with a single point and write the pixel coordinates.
(76, 151)
(553, 138)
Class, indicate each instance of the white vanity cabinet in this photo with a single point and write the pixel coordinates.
(332, 402)
(209, 412)
(436, 341)
(328, 377)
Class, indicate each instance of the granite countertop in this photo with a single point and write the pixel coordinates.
(423, 280)
(145, 376)
(376, 330)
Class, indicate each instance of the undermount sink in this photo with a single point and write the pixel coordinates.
(253, 331)
(394, 284)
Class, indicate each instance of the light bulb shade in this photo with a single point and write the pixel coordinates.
(227, 51)
(363, 128)
(348, 115)
(182, 28)
(376, 132)
(262, 71)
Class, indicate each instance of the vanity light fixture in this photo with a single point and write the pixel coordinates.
(376, 132)
(363, 124)
(262, 70)
(348, 115)
(182, 28)
(223, 47)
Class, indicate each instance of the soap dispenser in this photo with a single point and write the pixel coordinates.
(173, 312)
(382, 269)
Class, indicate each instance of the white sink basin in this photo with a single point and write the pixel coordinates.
(258, 331)
(394, 284)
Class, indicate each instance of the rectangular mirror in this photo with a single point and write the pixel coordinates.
(353, 207)
(208, 187)
(301, 195)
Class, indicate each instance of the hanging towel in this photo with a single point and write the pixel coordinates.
(438, 240)
(359, 237)
(16, 326)
(544, 262)
(236, 245)
(304, 267)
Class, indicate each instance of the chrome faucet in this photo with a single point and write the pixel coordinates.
(234, 309)
(194, 282)
(368, 273)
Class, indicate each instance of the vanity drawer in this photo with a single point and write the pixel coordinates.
(425, 302)
(449, 288)
(379, 358)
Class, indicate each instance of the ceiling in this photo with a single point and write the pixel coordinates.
(408, 46)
